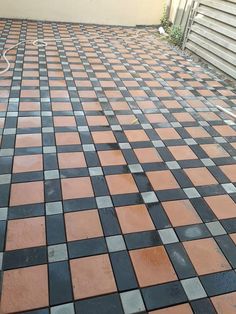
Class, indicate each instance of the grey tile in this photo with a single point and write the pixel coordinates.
(54, 208)
(95, 171)
(51, 174)
(149, 197)
(168, 236)
(115, 243)
(49, 149)
(215, 228)
(191, 193)
(207, 162)
(132, 302)
(193, 288)
(63, 309)
(3, 213)
(57, 253)
(173, 165)
(135, 168)
(104, 202)
(88, 148)
(124, 146)
(229, 188)
(5, 179)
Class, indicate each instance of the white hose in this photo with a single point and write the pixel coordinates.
(44, 42)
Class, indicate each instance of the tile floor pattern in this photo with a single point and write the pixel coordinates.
(117, 176)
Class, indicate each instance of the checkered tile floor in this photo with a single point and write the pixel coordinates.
(117, 176)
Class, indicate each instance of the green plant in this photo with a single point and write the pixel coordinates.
(165, 21)
(176, 35)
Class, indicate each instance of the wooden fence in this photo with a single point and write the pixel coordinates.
(210, 31)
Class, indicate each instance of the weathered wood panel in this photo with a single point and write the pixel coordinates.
(212, 33)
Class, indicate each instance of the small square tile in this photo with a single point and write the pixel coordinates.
(3, 213)
(191, 193)
(104, 202)
(193, 288)
(63, 309)
(5, 179)
(229, 188)
(215, 228)
(132, 302)
(115, 243)
(57, 253)
(95, 171)
(149, 197)
(51, 174)
(53, 208)
(135, 168)
(207, 162)
(173, 165)
(168, 236)
(124, 146)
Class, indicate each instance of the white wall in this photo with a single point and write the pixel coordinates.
(111, 12)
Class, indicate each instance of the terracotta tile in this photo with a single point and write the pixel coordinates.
(64, 121)
(113, 94)
(29, 93)
(92, 276)
(67, 138)
(29, 122)
(167, 133)
(199, 252)
(182, 152)
(25, 233)
(111, 158)
(27, 288)
(146, 155)
(28, 140)
(76, 188)
(119, 105)
(229, 171)
(59, 93)
(134, 218)
(171, 104)
(183, 117)
(27, 163)
(214, 150)
(136, 135)
(225, 304)
(126, 119)
(197, 132)
(87, 94)
(222, 205)
(121, 184)
(181, 213)
(137, 93)
(71, 160)
(146, 104)
(200, 176)
(29, 106)
(97, 120)
(90, 106)
(83, 225)
(162, 180)
(35, 193)
(209, 116)
(103, 137)
(155, 262)
(195, 103)
(61, 106)
(177, 309)
(156, 118)
(225, 130)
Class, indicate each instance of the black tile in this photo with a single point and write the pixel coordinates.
(92, 159)
(24, 211)
(192, 232)
(75, 172)
(219, 283)
(27, 177)
(171, 195)
(180, 260)
(211, 190)
(6, 165)
(203, 306)
(100, 305)
(142, 239)
(87, 247)
(130, 156)
(50, 162)
(159, 217)
(203, 210)
(4, 195)
(182, 178)
(24, 257)
(123, 270)
(79, 204)
(229, 225)
(2, 234)
(52, 190)
(127, 199)
(218, 174)
(142, 182)
(109, 221)
(99, 186)
(228, 247)
(59, 283)
(55, 229)
(156, 297)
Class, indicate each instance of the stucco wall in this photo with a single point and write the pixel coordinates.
(112, 12)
